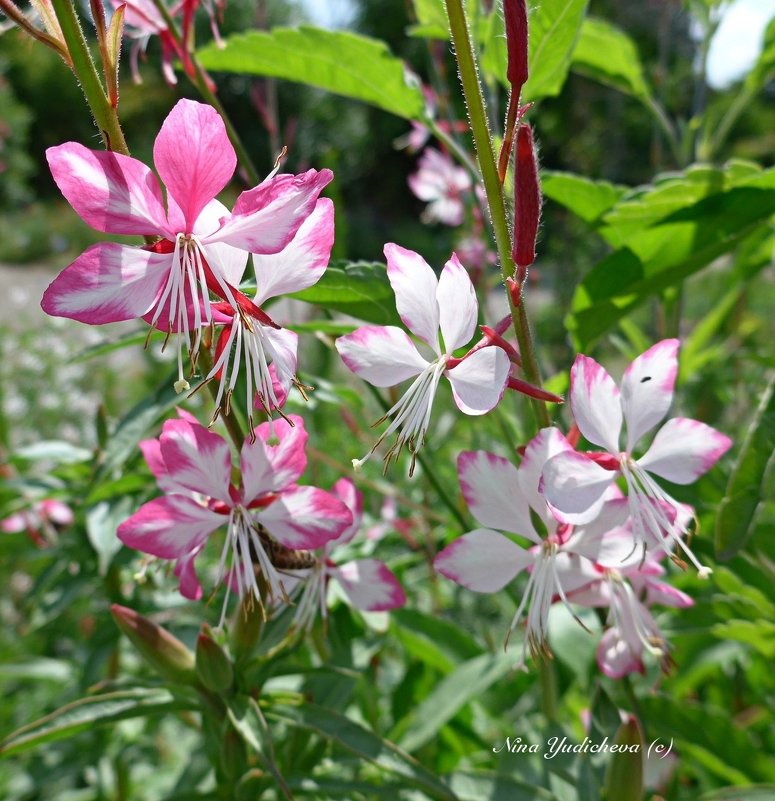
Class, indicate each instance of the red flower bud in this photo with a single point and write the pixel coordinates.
(515, 14)
(527, 199)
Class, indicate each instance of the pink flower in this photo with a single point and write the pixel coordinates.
(505, 498)
(270, 353)
(439, 182)
(682, 450)
(202, 248)
(40, 521)
(368, 584)
(193, 467)
(385, 355)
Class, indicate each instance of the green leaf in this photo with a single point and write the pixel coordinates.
(432, 20)
(102, 521)
(359, 289)
(666, 252)
(706, 730)
(465, 683)
(86, 713)
(364, 744)
(554, 28)
(586, 198)
(476, 786)
(53, 450)
(57, 670)
(341, 62)
(607, 54)
(109, 345)
(760, 634)
(753, 792)
(746, 491)
(135, 425)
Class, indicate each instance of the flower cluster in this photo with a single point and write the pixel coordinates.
(582, 540)
(186, 282)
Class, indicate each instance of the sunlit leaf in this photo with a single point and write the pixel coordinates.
(341, 62)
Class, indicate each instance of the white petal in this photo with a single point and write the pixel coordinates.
(490, 485)
(684, 449)
(482, 560)
(647, 389)
(575, 486)
(479, 381)
(382, 355)
(594, 399)
(369, 585)
(414, 284)
(547, 443)
(458, 307)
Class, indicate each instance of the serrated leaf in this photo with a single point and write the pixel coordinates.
(607, 54)
(586, 198)
(86, 713)
(746, 490)
(358, 289)
(341, 62)
(364, 744)
(453, 692)
(554, 27)
(665, 253)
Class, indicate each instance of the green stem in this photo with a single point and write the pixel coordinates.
(104, 113)
(664, 122)
(548, 683)
(201, 84)
(480, 128)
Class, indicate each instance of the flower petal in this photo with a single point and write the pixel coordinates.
(547, 443)
(458, 306)
(482, 560)
(352, 497)
(266, 218)
(194, 157)
(113, 193)
(369, 585)
(169, 527)
(602, 540)
(684, 449)
(197, 459)
(647, 389)
(276, 460)
(491, 487)
(305, 517)
(302, 262)
(189, 582)
(575, 486)
(415, 285)
(594, 399)
(615, 658)
(479, 381)
(382, 355)
(281, 346)
(108, 283)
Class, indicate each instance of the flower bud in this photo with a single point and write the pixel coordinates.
(164, 652)
(213, 666)
(624, 777)
(515, 14)
(527, 201)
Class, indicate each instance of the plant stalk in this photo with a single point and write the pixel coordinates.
(485, 155)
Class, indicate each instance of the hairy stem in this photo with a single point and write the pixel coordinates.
(480, 128)
(102, 110)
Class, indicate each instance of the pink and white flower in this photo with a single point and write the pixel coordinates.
(440, 183)
(202, 247)
(562, 559)
(193, 467)
(40, 521)
(368, 584)
(385, 355)
(247, 339)
(682, 450)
